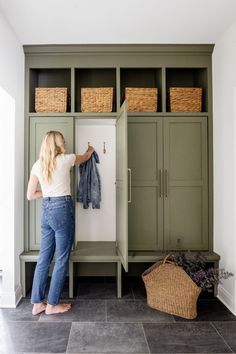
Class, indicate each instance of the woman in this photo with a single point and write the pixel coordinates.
(52, 172)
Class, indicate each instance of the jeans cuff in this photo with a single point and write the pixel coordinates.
(37, 302)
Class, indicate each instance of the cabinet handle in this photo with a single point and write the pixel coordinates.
(160, 183)
(166, 183)
(129, 173)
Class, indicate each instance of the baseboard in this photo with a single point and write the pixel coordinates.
(227, 299)
(11, 299)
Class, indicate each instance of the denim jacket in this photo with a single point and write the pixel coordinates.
(89, 189)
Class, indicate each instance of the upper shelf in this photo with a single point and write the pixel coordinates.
(48, 78)
(161, 78)
(88, 78)
(187, 77)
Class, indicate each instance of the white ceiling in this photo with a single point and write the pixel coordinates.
(123, 21)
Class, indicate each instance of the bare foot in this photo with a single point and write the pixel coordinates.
(38, 308)
(60, 308)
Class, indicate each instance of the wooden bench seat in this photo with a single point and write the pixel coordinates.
(105, 252)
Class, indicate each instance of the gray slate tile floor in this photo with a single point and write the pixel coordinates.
(100, 323)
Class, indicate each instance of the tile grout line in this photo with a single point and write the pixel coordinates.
(105, 310)
(68, 338)
(212, 324)
(145, 337)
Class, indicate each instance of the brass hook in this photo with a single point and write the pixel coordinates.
(104, 147)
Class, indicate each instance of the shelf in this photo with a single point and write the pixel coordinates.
(168, 114)
(48, 78)
(114, 115)
(187, 77)
(154, 256)
(77, 114)
(105, 77)
(129, 77)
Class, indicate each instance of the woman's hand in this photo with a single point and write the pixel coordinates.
(86, 156)
(90, 150)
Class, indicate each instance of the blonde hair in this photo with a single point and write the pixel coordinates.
(53, 145)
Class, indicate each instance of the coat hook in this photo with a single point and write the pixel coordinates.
(104, 147)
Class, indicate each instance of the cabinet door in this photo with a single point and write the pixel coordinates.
(39, 126)
(122, 186)
(186, 185)
(145, 160)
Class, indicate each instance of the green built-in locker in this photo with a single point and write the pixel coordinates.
(168, 159)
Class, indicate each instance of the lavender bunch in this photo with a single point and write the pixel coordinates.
(196, 267)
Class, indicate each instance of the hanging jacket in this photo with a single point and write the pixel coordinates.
(89, 189)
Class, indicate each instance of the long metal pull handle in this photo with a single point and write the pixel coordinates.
(160, 183)
(129, 172)
(166, 183)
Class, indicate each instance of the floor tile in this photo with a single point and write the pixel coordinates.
(34, 337)
(211, 310)
(191, 337)
(106, 290)
(139, 291)
(81, 310)
(21, 313)
(228, 331)
(134, 311)
(107, 338)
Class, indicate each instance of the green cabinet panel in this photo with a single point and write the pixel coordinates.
(145, 161)
(39, 126)
(122, 186)
(143, 219)
(186, 183)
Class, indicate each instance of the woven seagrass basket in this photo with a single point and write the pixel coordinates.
(185, 99)
(141, 99)
(53, 99)
(97, 99)
(170, 289)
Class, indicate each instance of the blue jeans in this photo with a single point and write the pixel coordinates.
(57, 235)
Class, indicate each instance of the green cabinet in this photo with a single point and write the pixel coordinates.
(39, 126)
(145, 161)
(168, 160)
(186, 183)
(170, 189)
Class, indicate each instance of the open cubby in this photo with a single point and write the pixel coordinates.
(141, 77)
(104, 77)
(187, 77)
(48, 78)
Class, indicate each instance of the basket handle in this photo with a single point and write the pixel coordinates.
(166, 260)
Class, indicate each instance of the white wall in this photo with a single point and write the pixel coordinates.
(11, 162)
(224, 137)
(98, 224)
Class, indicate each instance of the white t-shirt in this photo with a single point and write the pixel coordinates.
(60, 182)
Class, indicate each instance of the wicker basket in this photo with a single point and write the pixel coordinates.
(170, 289)
(96, 99)
(141, 99)
(51, 99)
(185, 99)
